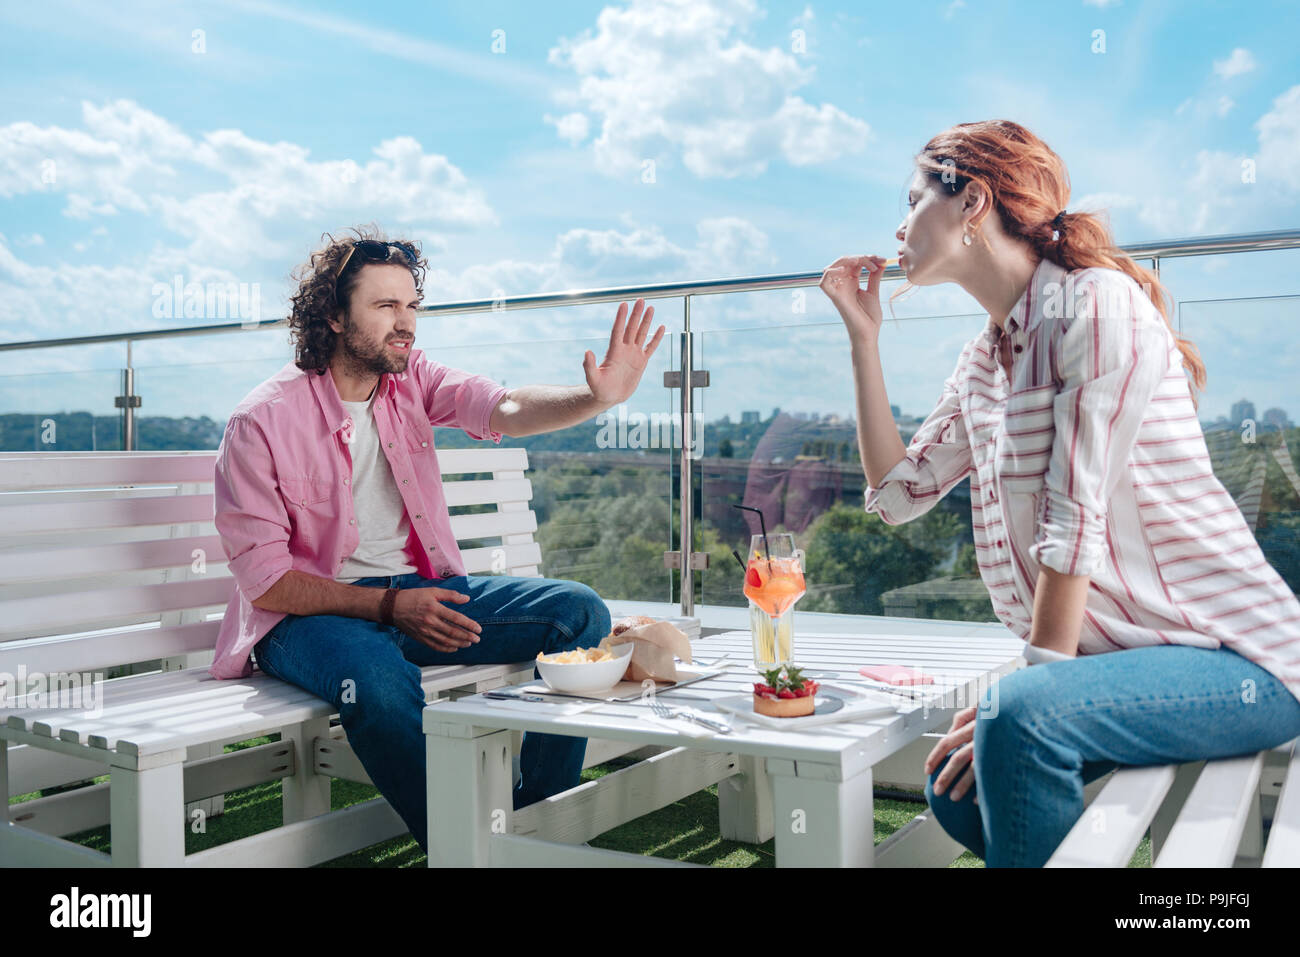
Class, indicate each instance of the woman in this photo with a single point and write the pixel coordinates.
(1099, 525)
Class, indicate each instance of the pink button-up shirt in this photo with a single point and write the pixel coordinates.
(1087, 457)
(283, 475)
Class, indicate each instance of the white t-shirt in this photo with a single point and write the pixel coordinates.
(382, 523)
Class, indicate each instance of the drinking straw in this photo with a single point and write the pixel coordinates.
(762, 525)
(743, 566)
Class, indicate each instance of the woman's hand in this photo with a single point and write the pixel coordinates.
(962, 737)
(858, 307)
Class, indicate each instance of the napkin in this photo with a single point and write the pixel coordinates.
(895, 675)
(655, 646)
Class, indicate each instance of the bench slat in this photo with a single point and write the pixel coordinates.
(73, 562)
(92, 652)
(493, 524)
(453, 461)
(1283, 847)
(478, 560)
(1208, 829)
(163, 712)
(48, 470)
(487, 491)
(1109, 830)
(55, 614)
(110, 513)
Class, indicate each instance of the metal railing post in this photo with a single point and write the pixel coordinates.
(686, 544)
(128, 402)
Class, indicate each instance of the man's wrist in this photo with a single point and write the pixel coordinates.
(386, 606)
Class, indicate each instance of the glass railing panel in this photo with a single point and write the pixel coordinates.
(1249, 412)
(70, 411)
(602, 489)
(779, 428)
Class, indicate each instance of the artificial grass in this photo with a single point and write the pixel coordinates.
(686, 830)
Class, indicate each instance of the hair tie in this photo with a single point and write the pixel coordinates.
(1059, 222)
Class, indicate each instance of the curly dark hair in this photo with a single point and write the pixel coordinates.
(317, 300)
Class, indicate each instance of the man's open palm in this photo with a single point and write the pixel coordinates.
(616, 378)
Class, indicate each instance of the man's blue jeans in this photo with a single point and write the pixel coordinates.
(1043, 732)
(378, 666)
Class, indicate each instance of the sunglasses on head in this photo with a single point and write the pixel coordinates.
(373, 250)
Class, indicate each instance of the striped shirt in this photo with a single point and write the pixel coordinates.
(1077, 430)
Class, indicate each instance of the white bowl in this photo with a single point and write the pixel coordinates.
(588, 676)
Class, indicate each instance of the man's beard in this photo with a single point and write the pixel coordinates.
(362, 358)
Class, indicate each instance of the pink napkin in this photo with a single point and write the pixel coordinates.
(895, 675)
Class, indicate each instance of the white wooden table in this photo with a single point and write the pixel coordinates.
(810, 788)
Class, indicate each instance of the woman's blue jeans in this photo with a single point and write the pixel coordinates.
(1043, 732)
(371, 674)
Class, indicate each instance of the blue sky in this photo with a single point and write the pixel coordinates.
(216, 142)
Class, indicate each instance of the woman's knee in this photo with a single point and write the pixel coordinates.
(943, 803)
(1017, 700)
(959, 819)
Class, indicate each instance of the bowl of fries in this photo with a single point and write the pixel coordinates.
(584, 670)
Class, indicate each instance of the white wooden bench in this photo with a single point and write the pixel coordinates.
(1199, 814)
(111, 559)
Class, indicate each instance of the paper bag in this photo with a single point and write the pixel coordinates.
(652, 657)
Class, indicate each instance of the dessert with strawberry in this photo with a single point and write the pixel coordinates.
(785, 693)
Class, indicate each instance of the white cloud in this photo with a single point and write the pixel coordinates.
(723, 246)
(1279, 144)
(573, 127)
(635, 254)
(670, 78)
(1211, 192)
(1219, 106)
(1238, 62)
(952, 8)
(1100, 3)
(225, 192)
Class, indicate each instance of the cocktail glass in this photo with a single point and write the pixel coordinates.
(773, 583)
(773, 638)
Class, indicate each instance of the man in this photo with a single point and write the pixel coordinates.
(330, 509)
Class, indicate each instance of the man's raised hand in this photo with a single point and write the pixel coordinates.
(617, 377)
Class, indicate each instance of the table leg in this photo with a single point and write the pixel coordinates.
(821, 820)
(745, 803)
(469, 788)
(147, 815)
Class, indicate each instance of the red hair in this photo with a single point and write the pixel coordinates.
(1029, 186)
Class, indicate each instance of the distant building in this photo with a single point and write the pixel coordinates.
(1276, 418)
(749, 418)
(1241, 411)
(896, 412)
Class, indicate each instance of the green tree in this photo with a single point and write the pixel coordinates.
(853, 557)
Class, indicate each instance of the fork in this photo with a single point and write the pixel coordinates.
(662, 710)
